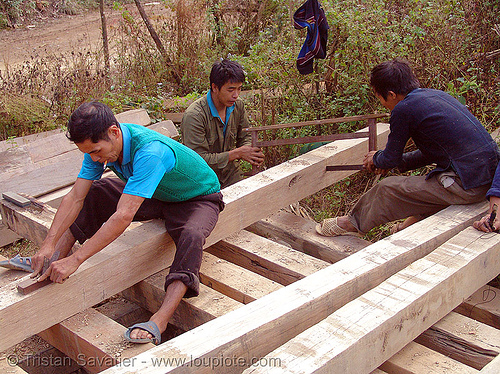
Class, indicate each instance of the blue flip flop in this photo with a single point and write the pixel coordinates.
(150, 327)
(18, 263)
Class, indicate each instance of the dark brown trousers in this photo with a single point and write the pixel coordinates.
(188, 223)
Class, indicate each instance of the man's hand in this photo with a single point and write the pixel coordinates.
(484, 223)
(38, 259)
(59, 270)
(253, 155)
(370, 166)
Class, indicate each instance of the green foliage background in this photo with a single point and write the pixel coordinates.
(449, 43)
(453, 45)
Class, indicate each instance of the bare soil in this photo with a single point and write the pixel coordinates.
(63, 34)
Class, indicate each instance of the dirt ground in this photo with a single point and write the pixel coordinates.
(63, 34)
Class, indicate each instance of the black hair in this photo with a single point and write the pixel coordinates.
(226, 71)
(90, 121)
(396, 76)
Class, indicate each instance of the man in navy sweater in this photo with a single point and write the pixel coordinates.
(445, 133)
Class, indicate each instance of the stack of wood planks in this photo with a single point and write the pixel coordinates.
(274, 293)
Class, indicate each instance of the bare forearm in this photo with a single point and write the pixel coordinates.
(65, 216)
(108, 232)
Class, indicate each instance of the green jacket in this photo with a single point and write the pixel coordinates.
(203, 132)
(190, 177)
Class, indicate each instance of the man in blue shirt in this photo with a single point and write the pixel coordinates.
(158, 178)
(445, 133)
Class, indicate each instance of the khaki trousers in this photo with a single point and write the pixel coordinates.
(399, 197)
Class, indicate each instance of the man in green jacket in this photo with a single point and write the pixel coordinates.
(213, 125)
(158, 178)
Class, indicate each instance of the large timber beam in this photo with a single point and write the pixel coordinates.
(256, 329)
(147, 249)
(382, 321)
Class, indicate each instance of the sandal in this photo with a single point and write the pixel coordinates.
(150, 327)
(18, 263)
(330, 227)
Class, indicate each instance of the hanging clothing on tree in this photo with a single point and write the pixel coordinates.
(312, 16)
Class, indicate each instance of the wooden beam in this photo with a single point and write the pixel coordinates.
(300, 234)
(234, 281)
(382, 321)
(463, 339)
(493, 367)
(137, 116)
(417, 359)
(147, 249)
(265, 324)
(93, 340)
(272, 260)
(483, 305)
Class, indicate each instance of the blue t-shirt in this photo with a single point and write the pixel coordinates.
(151, 162)
(215, 113)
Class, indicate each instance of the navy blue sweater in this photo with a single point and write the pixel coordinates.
(445, 133)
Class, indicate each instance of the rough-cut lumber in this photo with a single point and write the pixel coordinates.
(382, 321)
(234, 281)
(275, 261)
(147, 249)
(417, 359)
(265, 324)
(35, 168)
(93, 340)
(7, 236)
(493, 367)
(137, 116)
(191, 312)
(300, 234)
(463, 339)
(483, 305)
(10, 367)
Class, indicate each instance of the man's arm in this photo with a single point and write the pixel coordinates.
(244, 149)
(65, 216)
(127, 207)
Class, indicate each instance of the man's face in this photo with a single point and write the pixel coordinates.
(104, 151)
(390, 102)
(227, 94)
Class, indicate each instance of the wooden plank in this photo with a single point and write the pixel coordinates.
(174, 117)
(272, 260)
(8, 275)
(265, 324)
(300, 234)
(137, 116)
(93, 340)
(191, 312)
(381, 322)
(234, 281)
(483, 305)
(417, 359)
(166, 128)
(463, 339)
(327, 121)
(147, 249)
(8, 365)
(23, 140)
(493, 367)
(7, 236)
(46, 178)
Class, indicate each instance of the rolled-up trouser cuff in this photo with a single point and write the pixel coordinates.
(189, 279)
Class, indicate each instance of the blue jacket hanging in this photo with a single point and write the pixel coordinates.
(312, 16)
